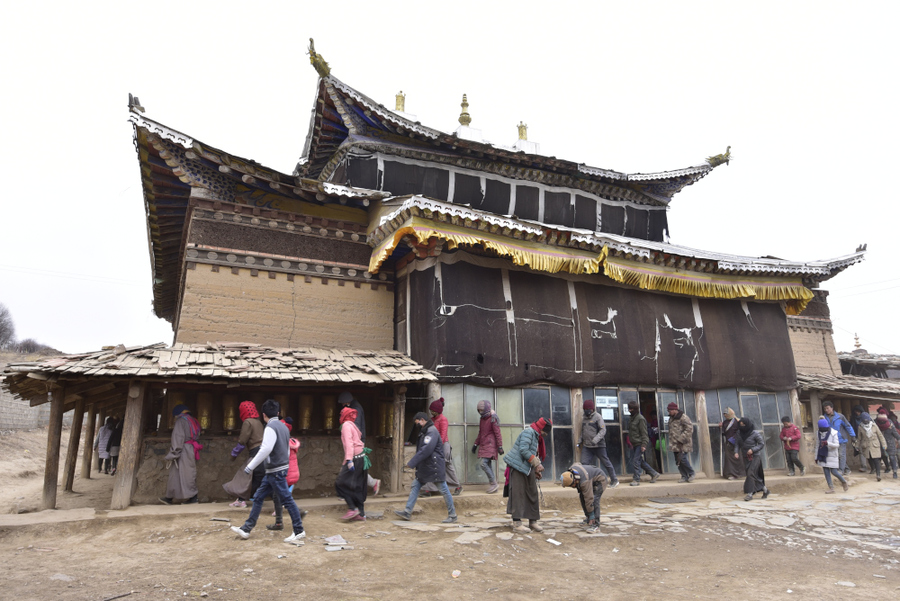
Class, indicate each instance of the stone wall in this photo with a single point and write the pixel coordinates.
(814, 351)
(319, 460)
(251, 306)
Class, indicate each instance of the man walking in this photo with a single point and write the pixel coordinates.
(430, 467)
(638, 440)
(593, 442)
(681, 441)
(275, 451)
(845, 432)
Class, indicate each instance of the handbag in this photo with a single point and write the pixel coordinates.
(240, 484)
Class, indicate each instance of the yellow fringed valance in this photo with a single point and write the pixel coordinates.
(709, 285)
(540, 257)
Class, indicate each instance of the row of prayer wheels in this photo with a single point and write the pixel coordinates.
(312, 413)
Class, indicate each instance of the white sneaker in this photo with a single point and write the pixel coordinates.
(240, 532)
(377, 488)
(295, 537)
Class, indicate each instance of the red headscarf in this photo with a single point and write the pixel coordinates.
(247, 410)
(538, 427)
(348, 415)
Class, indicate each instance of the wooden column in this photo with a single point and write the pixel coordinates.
(101, 420)
(54, 434)
(87, 458)
(806, 457)
(706, 457)
(130, 451)
(397, 436)
(74, 440)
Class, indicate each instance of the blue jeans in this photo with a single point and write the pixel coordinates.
(414, 495)
(637, 463)
(683, 461)
(589, 455)
(274, 483)
(842, 457)
(488, 469)
(837, 474)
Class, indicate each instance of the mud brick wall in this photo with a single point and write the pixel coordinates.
(814, 351)
(319, 460)
(251, 306)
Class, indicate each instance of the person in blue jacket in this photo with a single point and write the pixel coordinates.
(845, 432)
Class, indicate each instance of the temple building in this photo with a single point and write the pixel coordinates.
(404, 264)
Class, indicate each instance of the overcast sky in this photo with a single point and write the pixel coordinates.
(804, 92)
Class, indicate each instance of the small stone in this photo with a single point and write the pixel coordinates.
(845, 583)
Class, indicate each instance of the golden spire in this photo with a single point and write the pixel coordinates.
(401, 101)
(856, 341)
(464, 118)
(523, 131)
(317, 61)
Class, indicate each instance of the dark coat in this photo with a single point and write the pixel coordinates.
(489, 439)
(593, 432)
(429, 458)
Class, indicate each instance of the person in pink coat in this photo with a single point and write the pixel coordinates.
(790, 436)
(351, 484)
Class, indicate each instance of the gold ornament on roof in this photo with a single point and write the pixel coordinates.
(718, 159)
(856, 341)
(317, 61)
(464, 118)
(401, 101)
(523, 131)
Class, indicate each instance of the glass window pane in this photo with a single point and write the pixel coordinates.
(728, 399)
(663, 400)
(750, 408)
(614, 445)
(457, 437)
(509, 406)
(473, 395)
(509, 434)
(453, 402)
(587, 394)
(774, 457)
(715, 439)
(713, 411)
(686, 402)
(561, 402)
(784, 404)
(769, 408)
(563, 451)
(537, 404)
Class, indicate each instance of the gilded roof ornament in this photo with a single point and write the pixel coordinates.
(401, 101)
(317, 61)
(523, 131)
(464, 118)
(718, 159)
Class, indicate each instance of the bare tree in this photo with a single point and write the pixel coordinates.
(7, 327)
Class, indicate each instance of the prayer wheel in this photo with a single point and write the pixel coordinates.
(329, 406)
(306, 412)
(282, 400)
(204, 409)
(175, 398)
(230, 413)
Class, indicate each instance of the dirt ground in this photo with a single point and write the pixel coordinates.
(644, 552)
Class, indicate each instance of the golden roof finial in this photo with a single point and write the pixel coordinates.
(523, 131)
(464, 118)
(401, 101)
(317, 61)
(856, 341)
(718, 159)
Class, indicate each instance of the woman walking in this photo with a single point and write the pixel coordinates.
(891, 438)
(749, 444)
(870, 441)
(827, 455)
(489, 442)
(351, 484)
(731, 468)
(526, 468)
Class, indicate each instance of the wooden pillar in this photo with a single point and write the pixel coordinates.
(130, 451)
(101, 420)
(706, 457)
(815, 406)
(806, 457)
(397, 436)
(74, 440)
(88, 458)
(54, 434)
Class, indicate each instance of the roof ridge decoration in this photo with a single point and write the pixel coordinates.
(317, 61)
(642, 264)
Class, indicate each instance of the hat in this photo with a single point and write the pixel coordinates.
(345, 398)
(437, 406)
(543, 424)
(179, 409)
(882, 410)
(588, 405)
(865, 417)
(823, 423)
(672, 407)
(421, 415)
(568, 478)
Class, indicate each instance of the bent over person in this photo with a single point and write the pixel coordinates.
(590, 483)
(182, 457)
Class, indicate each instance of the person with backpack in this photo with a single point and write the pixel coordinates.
(827, 454)
(843, 427)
